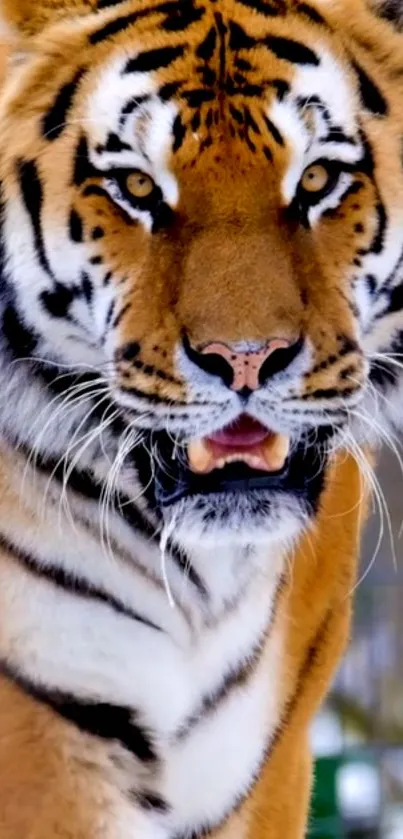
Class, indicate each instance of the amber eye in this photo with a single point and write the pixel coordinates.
(315, 178)
(140, 185)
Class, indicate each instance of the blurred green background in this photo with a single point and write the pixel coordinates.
(358, 737)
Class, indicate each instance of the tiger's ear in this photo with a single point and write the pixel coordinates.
(391, 10)
(28, 17)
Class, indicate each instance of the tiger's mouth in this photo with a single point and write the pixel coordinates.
(245, 441)
(243, 457)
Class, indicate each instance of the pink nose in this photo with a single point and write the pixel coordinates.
(247, 366)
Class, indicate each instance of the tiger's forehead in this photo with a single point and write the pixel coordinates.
(192, 74)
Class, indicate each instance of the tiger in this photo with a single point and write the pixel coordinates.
(201, 319)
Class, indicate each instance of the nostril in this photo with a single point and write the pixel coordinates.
(279, 360)
(212, 363)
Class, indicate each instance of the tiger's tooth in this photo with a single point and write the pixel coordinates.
(275, 451)
(200, 457)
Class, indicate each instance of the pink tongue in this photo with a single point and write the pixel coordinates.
(243, 434)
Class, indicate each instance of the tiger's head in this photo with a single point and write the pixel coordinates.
(202, 208)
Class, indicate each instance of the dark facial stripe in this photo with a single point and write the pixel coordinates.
(54, 121)
(267, 9)
(113, 27)
(337, 135)
(75, 226)
(291, 50)
(100, 719)
(206, 49)
(182, 16)
(177, 18)
(196, 97)
(179, 133)
(153, 59)
(371, 97)
(379, 239)
(329, 393)
(275, 133)
(31, 191)
(58, 301)
(151, 801)
(152, 398)
(312, 14)
(21, 341)
(71, 583)
(106, 4)
(83, 167)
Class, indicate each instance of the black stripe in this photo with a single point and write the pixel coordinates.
(312, 14)
(151, 801)
(372, 98)
(275, 133)
(337, 135)
(329, 393)
(377, 243)
(396, 300)
(87, 287)
(31, 191)
(153, 59)
(54, 121)
(120, 315)
(115, 26)
(151, 370)
(152, 398)
(100, 719)
(72, 584)
(183, 16)
(58, 301)
(291, 50)
(75, 226)
(196, 97)
(106, 4)
(22, 341)
(83, 167)
(206, 49)
(185, 566)
(175, 19)
(264, 8)
(239, 39)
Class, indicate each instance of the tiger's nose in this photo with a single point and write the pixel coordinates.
(245, 369)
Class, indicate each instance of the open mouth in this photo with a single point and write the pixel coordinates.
(241, 457)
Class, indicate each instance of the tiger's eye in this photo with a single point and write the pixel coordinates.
(140, 185)
(315, 178)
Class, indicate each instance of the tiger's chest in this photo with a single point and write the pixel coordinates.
(208, 759)
(187, 710)
(211, 710)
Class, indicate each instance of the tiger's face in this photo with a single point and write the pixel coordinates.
(202, 206)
